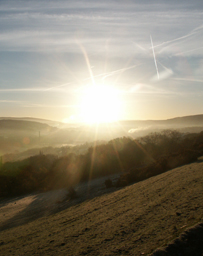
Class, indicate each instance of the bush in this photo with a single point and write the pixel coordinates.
(108, 183)
(72, 193)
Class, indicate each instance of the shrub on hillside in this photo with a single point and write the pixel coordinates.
(108, 183)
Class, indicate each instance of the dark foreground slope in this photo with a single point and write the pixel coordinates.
(135, 220)
(187, 244)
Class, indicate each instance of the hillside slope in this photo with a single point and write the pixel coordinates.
(134, 220)
(21, 125)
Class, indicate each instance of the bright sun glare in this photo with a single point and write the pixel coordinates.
(100, 103)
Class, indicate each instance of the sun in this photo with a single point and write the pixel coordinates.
(100, 103)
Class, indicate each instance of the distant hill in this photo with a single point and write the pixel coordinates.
(19, 135)
(187, 120)
(54, 133)
(32, 119)
(193, 120)
(21, 125)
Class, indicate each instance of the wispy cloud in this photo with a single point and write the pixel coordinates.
(169, 45)
(47, 26)
(162, 75)
(189, 51)
(43, 89)
(188, 79)
(166, 73)
(10, 101)
(176, 39)
(28, 105)
(141, 88)
(119, 71)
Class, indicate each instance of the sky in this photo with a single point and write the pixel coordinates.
(148, 55)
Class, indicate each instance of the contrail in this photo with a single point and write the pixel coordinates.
(119, 71)
(177, 54)
(177, 39)
(188, 79)
(87, 61)
(154, 58)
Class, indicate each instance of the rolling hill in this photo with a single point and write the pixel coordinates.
(134, 220)
(13, 130)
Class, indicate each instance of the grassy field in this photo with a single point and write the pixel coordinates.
(135, 220)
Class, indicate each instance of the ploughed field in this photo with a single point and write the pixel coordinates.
(135, 220)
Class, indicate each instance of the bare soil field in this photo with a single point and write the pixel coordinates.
(135, 220)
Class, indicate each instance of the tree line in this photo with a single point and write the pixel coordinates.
(134, 159)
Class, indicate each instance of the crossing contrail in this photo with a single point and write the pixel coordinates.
(154, 58)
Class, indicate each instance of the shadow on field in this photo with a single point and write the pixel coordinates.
(6, 201)
(31, 207)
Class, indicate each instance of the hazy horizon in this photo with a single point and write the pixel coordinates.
(87, 61)
(82, 122)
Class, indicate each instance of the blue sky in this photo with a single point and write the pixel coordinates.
(150, 51)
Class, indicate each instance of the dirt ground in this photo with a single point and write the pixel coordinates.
(135, 220)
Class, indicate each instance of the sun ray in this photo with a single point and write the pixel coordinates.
(92, 158)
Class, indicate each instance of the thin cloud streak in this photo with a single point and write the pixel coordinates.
(50, 106)
(154, 58)
(105, 75)
(188, 79)
(10, 101)
(59, 88)
(181, 53)
(111, 73)
(170, 44)
(54, 88)
(32, 89)
(176, 39)
(50, 20)
(141, 88)
(119, 71)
